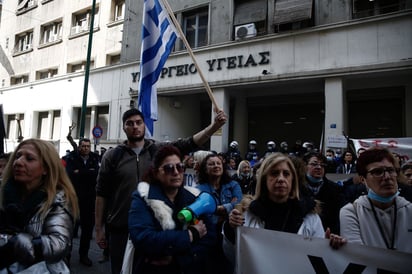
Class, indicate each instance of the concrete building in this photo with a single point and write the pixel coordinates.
(282, 70)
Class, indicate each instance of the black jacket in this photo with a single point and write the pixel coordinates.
(331, 197)
(83, 174)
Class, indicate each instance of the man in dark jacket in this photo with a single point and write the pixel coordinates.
(329, 193)
(122, 168)
(82, 166)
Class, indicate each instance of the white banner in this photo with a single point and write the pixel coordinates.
(190, 178)
(261, 251)
(402, 146)
(336, 141)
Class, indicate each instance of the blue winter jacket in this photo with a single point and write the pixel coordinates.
(230, 194)
(157, 233)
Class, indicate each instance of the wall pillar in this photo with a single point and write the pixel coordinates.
(335, 105)
(240, 124)
(219, 140)
(408, 110)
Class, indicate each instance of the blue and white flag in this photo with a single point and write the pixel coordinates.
(158, 38)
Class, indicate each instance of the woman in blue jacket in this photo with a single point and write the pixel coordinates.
(214, 179)
(162, 243)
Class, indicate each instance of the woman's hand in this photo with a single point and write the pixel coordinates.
(335, 241)
(236, 218)
(197, 231)
(23, 248)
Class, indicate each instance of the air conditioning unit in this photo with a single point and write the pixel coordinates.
(245, 31)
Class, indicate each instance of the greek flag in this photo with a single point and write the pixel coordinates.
(158, 38)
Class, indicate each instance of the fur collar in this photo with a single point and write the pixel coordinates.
(162, 212)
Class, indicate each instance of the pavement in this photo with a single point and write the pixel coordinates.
(95, 254)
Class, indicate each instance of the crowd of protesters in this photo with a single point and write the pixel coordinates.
(135, 191)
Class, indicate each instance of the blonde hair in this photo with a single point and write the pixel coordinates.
(54, 180)
(271, 161)
(241, 165)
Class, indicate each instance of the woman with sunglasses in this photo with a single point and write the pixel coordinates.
(381, 218)
(163, 244)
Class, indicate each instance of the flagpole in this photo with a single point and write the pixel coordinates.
(189, 49)
(86, 73)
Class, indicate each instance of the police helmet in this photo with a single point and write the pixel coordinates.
(234, 144)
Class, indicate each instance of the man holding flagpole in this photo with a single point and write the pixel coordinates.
(123, 167)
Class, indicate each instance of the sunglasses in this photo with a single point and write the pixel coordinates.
(170, 168)
(380, 171)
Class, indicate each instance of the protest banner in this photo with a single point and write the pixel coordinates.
(401, 146)
(190, 177)
(262, 251)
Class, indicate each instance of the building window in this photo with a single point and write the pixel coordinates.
(48, 125)
(51, 32)
(293, 15)
(44, 74)
(24, 42)
(96, 115)
(77, 112)
(102, 120)
(81, 21)
(250, 18)
(43, 125)
(25, 5)
(15, 126)
(195, 27)
(16, 80)
(365, 8)
(56, 125)
(113, 59)
(76, 67)
(118, 8)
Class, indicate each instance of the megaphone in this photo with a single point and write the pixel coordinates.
(205, 203)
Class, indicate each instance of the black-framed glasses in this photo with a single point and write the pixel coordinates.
(317, 164)
(170, 168)
(380, 171)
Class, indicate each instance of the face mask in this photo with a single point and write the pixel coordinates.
(372, 195)
(313, 179)
(329, 158)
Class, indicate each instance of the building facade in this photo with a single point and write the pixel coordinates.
(282, 70)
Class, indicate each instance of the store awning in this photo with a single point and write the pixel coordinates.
(287, 11)
(250, 11)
